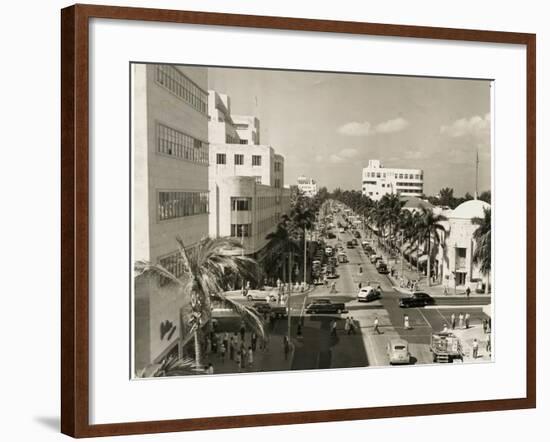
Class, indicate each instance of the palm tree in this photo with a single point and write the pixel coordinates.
(482, 251)
(208, 269)
(303, 218)
(390, 209)
(430, 224)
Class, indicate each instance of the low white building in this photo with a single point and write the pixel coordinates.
(378, 181)
(307, 186)
(454, 262)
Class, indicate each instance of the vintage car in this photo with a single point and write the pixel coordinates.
(325, 305)
(398, 351)
(342, 258)
(368, 293)
(350, 245)
(417, 299)
(374, 257)
(382, 267)
(279, 311)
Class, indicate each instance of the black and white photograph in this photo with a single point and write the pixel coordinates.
(295, 220)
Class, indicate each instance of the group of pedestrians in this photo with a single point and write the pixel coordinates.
(235, 347)
(463, 321)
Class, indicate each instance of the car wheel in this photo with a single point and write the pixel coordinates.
(338, 311)
(249, 297)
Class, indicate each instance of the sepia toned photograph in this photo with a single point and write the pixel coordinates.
(294, 220)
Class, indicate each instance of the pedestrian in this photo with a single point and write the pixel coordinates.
(467, 320)
(232, 349)
(445, 329)
(286, 347)
(238, 358)
(460, 320)
(215, 344)
(406, 323)
(475, 348)
(250, 357)
(488, 343)
(468, 291)
(226, 340)
(254, 340)
(243, 356)
(346, 326)
(360, 285)
(299, 329)
(352, 325)
(360, 269)
(210, 368)
(242, 330)
(484, 323)
(333, 287)
(223, 348)
(333, 326)
(376, 329)
(453, 321)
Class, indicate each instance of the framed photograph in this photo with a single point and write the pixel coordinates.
(271, 221)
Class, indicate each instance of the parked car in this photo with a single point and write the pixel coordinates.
(350, 245)
(357, 234)
(382, 267)
(368, 294)
(417, 299)
(355, 242)
(328, 251)
(374, 257)
(398, 351)
(325, 305)
(342, 258)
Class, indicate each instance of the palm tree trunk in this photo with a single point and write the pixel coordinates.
(180, 337)
(198, 352)
(305, 256)
(487, 283)
(289, 292)
(429, 260)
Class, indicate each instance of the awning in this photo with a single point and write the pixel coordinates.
(423, 258)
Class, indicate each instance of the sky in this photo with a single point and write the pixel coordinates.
(327, 125)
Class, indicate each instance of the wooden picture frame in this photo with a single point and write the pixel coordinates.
(75, 218)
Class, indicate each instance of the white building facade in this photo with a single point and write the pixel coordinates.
(170, 193)
(454, 261)
(378, 181)
(307, 186)
(246, 179)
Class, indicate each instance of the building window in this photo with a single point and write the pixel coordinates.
(243, 141)
(258, 179)
(377, 174)
(239, 159)
(277, 166)
(180, 145)
(241, 230)
(241, 126)
(174, 264)
(277, 182)
(383, 185)
(220, 158)
(241, 204)
(179, 204)
(176, 82)
(256, 160)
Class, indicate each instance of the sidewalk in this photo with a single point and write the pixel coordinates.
(467, 337)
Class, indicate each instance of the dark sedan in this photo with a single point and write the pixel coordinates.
(325, 306)
(417, 299)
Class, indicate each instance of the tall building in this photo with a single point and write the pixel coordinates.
(170, 188)
(379, 181)
(246, 179)
(307, 186)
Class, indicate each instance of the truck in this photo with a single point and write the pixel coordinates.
(446, 347)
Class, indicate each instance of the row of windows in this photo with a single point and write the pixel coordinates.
(412, 191)
(241, 230)
(409, 184)
(266, 202)
(240, 126)
(174, 264)
(178, 144)
(238, 159)
(278, 166)
(179, 204)
(177, 83)
(406, 176)
(241, 204)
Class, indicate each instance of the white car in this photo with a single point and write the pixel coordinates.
(398, 352)
(368, 293)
